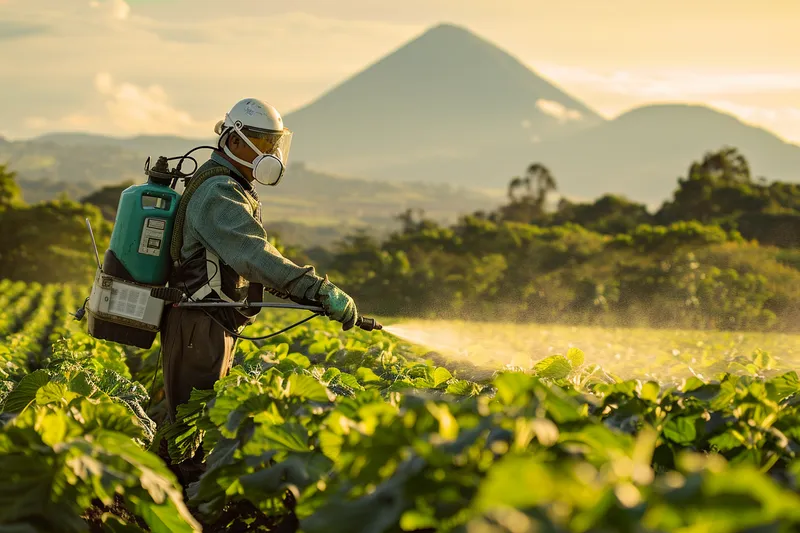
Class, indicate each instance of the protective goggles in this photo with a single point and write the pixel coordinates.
(271, 148)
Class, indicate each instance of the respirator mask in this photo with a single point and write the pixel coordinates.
(271, 148)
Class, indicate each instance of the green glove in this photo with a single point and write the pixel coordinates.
(338, 304)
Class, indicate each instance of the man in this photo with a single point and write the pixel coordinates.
(222, 253)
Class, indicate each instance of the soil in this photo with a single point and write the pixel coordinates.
(244, 517)
(236, 517)
(94, 514)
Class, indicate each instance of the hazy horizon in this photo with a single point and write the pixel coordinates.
(142, 66)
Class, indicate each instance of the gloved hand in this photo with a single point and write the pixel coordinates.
(338, 304)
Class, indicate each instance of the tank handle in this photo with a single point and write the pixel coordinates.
(168, 199)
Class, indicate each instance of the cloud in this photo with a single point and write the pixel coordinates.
(129, 110)
(206, 63)
(765, 99)
(117, 9)
(558, 110)
(147, 110)
(675, 83)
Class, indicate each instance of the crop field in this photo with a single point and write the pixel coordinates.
(318, 430)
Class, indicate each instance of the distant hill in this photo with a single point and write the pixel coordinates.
(146, 145)
(312, 205)
(47, 168)
(639, 154)
(642, 152)
(444, 95)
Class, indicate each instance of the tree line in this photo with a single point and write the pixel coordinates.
(718, 190)
(47, 242)
(720, 254)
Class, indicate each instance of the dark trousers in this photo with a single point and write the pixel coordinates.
(196, 352)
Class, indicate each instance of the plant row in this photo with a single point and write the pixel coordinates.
(319, 430)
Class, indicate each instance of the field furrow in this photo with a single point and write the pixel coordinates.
(14, 315)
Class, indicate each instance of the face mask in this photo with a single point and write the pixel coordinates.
(268, 169)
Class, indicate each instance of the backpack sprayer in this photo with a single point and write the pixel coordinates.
(130, 290)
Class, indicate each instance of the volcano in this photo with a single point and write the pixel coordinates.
(443, 96)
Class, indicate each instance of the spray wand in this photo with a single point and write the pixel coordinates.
(363, 322)
(178, 299)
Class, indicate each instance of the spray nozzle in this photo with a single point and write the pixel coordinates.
(368, 324)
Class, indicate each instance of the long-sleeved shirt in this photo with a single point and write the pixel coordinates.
(220, 217)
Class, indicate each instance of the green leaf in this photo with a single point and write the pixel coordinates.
(693, 383)
(348, 380)
(330, 374)
(517, 482)
(288, 436)
(596, 439)
(331, 444)
(82, 384)
(783, 386)
(650, 391)
(441, 376)
(114, 524)
(763, 361)
(164, 519)
(413, 520)
(318, 348)
(306, 387)
(459, 387)
(53, 428)
(112, 416)
(55, 393)
(511, 385)
(298, 470)
(576, 357)
(681, 430)
(725, 396)
(299, 359)
(553, 367)
(118, 386)
(25, 391)
(367, 375)
(724, 442)
(281, 349)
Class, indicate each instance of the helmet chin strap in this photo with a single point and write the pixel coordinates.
(250, 164)
(237, 159)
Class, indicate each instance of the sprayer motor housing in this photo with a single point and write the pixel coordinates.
(123, 311)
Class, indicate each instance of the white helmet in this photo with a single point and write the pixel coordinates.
(261, 127)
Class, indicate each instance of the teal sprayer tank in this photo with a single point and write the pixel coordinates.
(143, 229)
(120, 308)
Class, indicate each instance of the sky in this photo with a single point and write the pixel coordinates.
(126, 67)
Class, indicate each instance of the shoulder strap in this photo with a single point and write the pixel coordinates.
(180, 217)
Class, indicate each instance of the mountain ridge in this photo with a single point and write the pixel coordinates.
(641, 153)
(78, 137)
